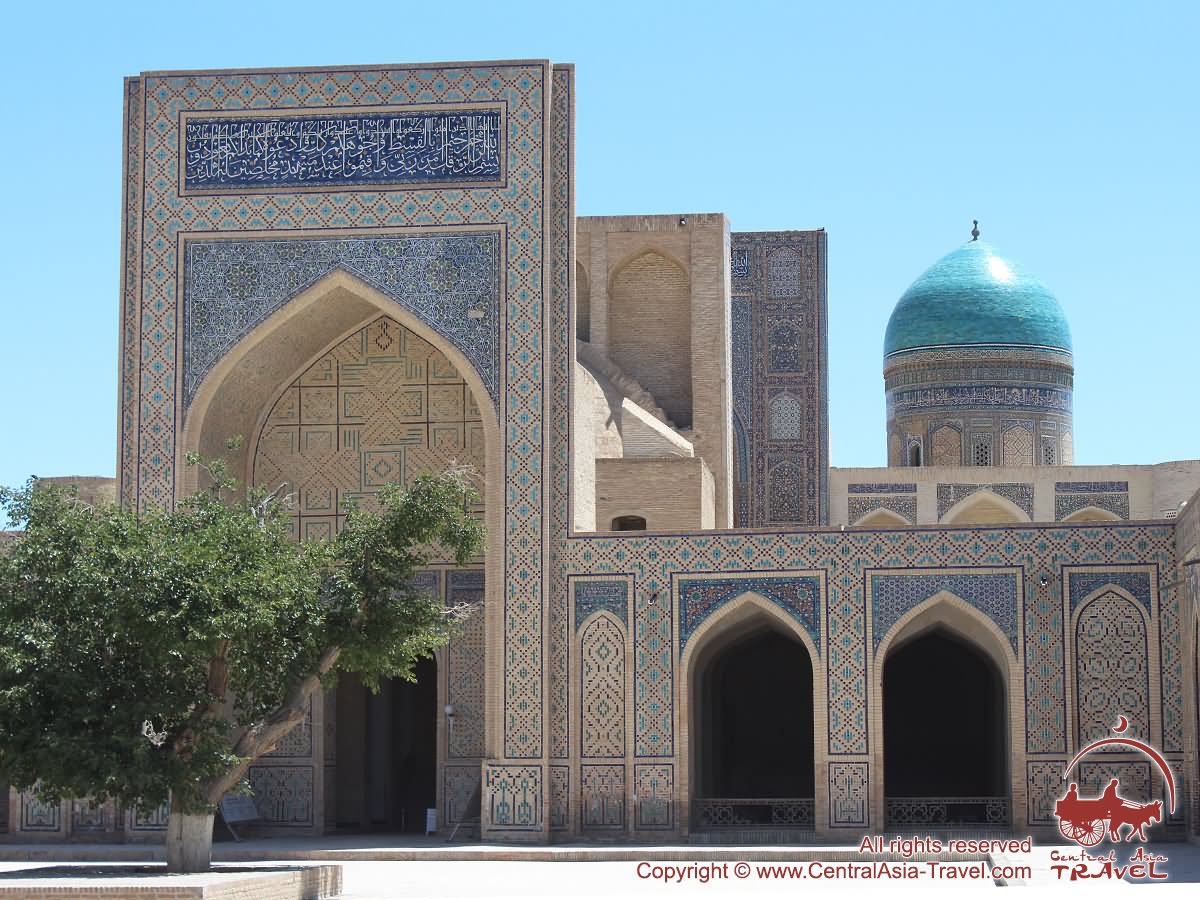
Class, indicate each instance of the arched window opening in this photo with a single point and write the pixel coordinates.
(914, 456)
(629, 523)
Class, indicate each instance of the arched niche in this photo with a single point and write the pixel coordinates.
(238, 394)
(882, 518)
(984, 507)
(1093, 514)
(945, 614)
(743, 619)
(650, 330)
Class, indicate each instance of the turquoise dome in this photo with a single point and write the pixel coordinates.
(975, 296)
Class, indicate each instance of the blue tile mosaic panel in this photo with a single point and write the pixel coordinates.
(232, 286)
(1137, 584)
(342, 149)
(800, 597)
(593, 596)
(894, 594)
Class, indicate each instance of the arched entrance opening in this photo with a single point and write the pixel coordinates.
(386, 774)
(945, 734)
(752, 721)
(336, 394)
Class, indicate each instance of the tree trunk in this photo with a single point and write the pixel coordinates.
(189, 841)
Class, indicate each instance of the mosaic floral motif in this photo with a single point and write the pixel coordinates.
(602, 680)
(1021, 495)
(894, 594)
(1110, 668)
(857, 507)
(1066, 504)
(1046, 786)
(849, 801)
(512, 796)
(654, 793)
(232, 286)
(458, 784)
(283, 794)
(1082, 582)
(800, 597)
(602, 797)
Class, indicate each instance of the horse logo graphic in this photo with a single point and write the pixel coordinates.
(1086, 820)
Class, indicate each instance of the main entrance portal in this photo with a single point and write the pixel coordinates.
(387, 752)
(945, 735)
(754, 749)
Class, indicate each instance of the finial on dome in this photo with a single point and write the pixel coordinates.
(975, 230)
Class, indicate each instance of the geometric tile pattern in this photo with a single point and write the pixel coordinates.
(849, 800)
(700, 598)
(653, 695)
(1021, 495)
(465, 678)
(602, 796)
(459, 783)
(560, 792)
(779, 376)
(350, 149)
(1045, 669)
(512, 794)
(602, 686)
(283, 795)
(894, 594)
(654, 790)
(1111, 672)
(297, 743)
(382, 406)
(1045, 785)
(232, 286)
(152, 324)
(845, 558)
(560, 334)
(39, 816)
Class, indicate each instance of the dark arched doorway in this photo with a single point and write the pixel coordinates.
(753, 715)
(945, 735)
(387, 752)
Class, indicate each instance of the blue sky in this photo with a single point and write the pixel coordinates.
(1069, 130)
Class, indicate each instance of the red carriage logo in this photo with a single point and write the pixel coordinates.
(1087, 820)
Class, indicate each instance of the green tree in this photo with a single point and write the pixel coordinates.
(155, 655)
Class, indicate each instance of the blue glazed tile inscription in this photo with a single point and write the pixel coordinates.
(342, 150)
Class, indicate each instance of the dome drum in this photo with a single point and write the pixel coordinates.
(978, 367)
